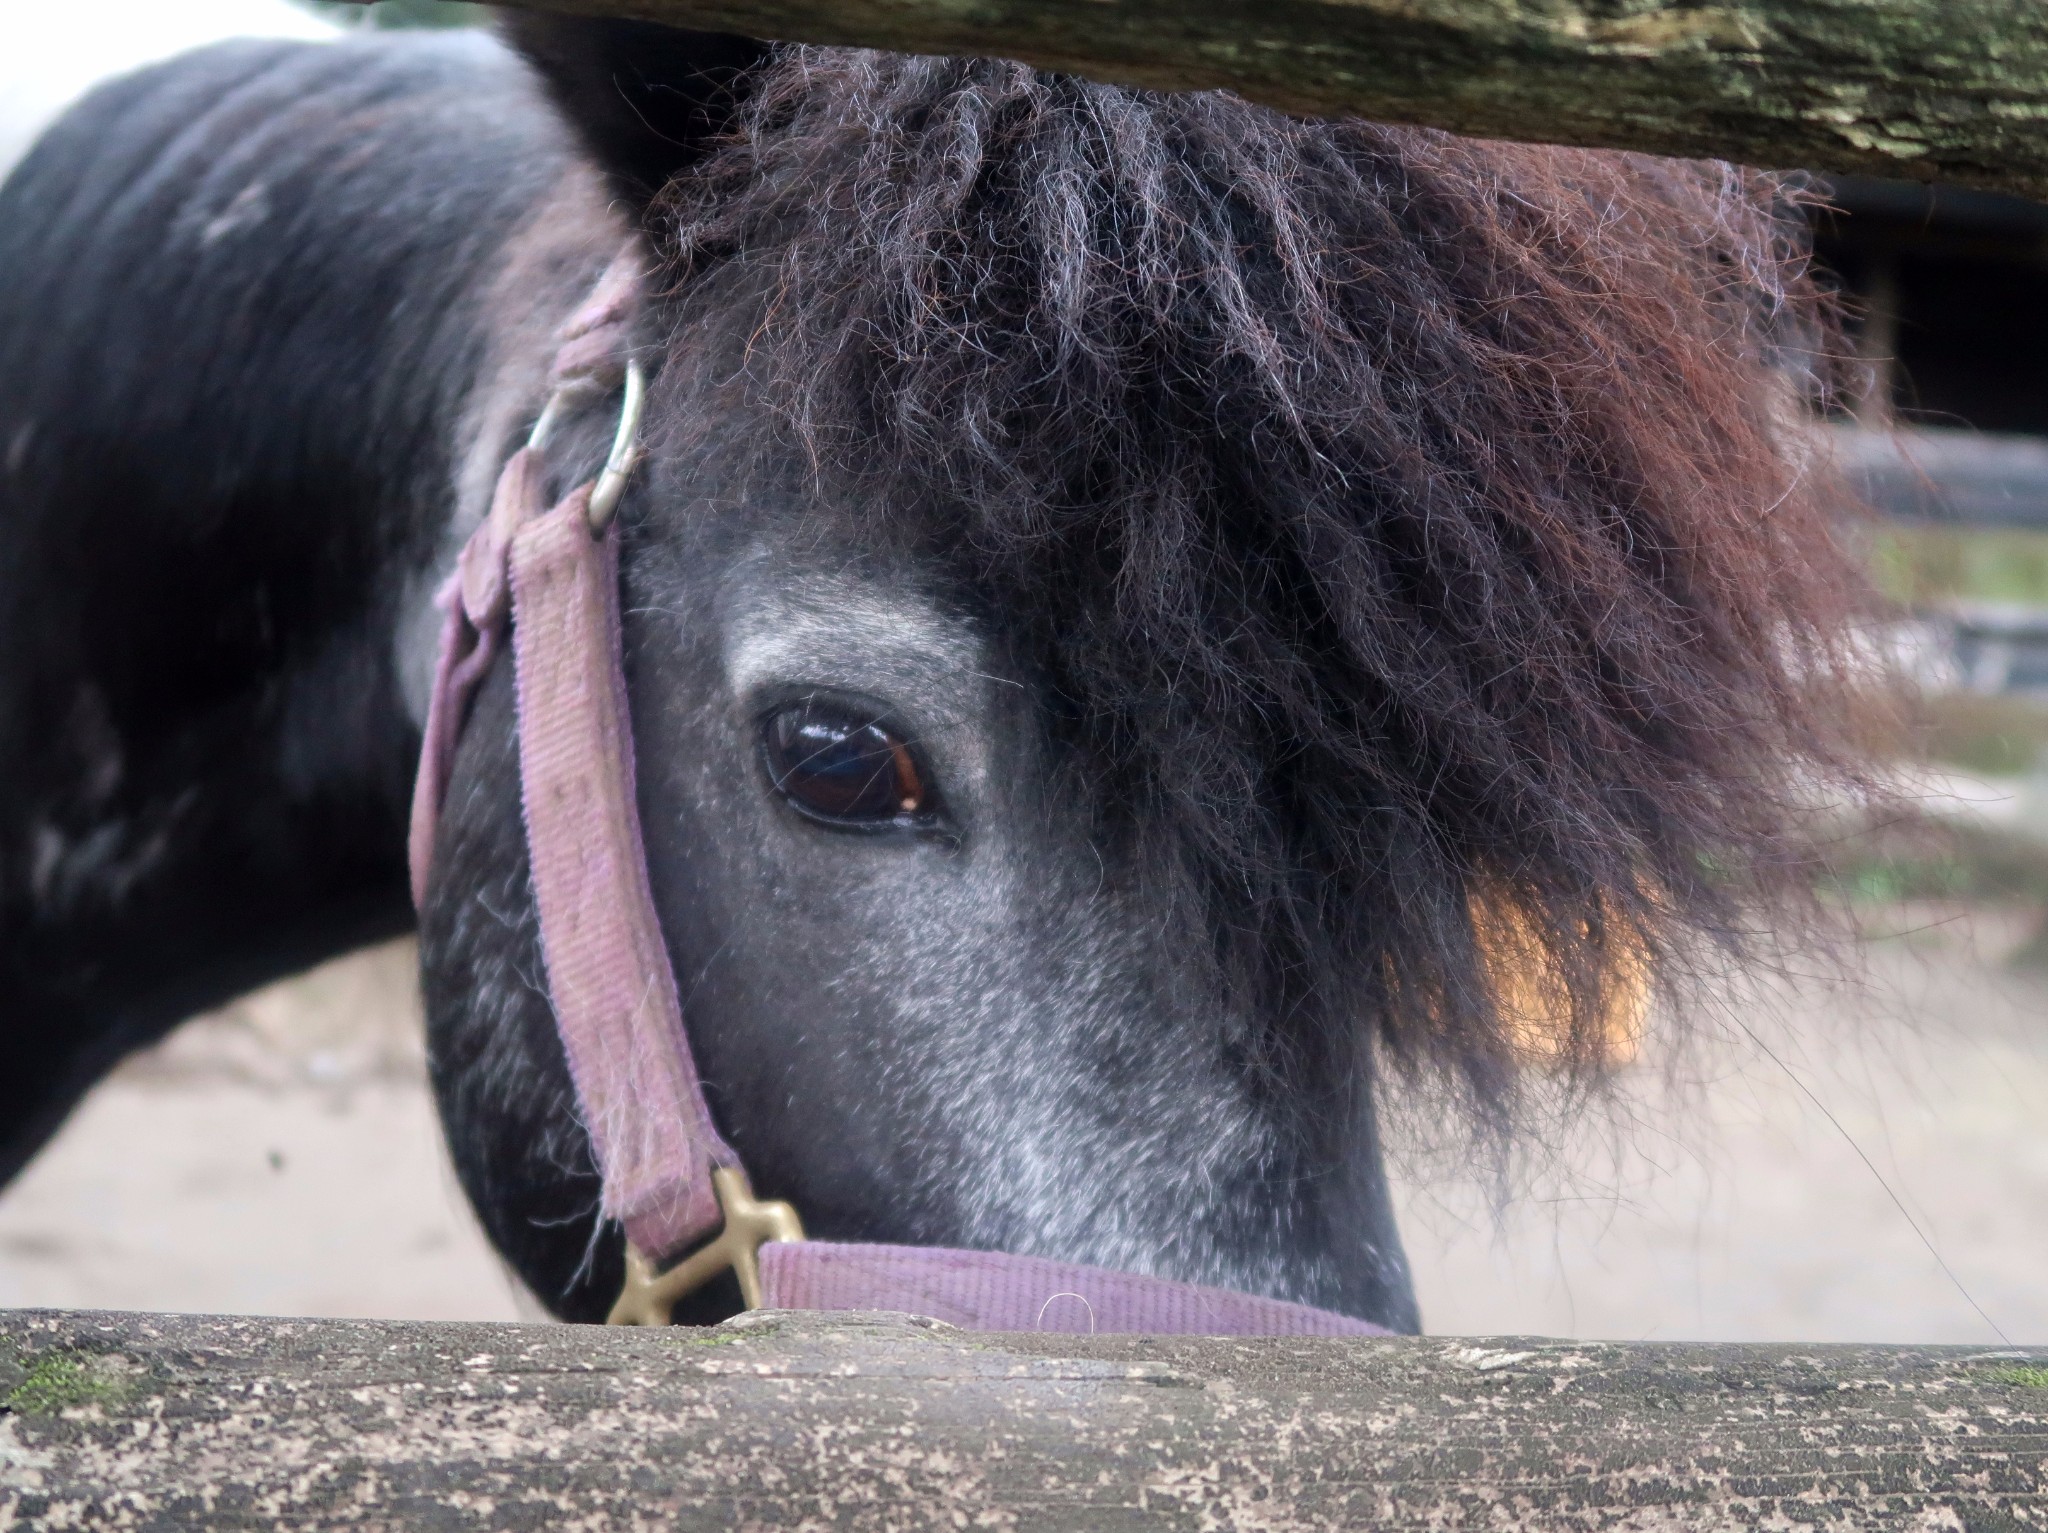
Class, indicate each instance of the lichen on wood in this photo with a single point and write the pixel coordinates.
(850, 1421)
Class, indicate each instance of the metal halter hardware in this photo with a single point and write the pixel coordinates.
(625, 454)
(650, 1297)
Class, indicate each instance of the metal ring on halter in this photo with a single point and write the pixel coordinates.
(618, 466)
(550, 416)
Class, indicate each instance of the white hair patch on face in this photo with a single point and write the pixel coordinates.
(845, 631)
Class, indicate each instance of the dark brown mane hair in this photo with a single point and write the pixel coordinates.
(1418, 529)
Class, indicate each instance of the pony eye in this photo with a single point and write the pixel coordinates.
(842, 767)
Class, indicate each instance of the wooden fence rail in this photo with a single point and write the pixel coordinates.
(1956, 89)
(870, 1421)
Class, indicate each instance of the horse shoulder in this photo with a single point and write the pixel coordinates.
(251, 303)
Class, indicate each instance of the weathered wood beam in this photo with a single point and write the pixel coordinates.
(1952, 89)
(887, 1422)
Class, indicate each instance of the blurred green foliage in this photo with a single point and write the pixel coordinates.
(1923, 567)
(400, 13)
(1914, 858)
(1997, 736)
(1919, 565)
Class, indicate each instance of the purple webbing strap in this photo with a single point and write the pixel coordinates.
(609, 978)
(991, 1291)
(609, 975)
(476, 604)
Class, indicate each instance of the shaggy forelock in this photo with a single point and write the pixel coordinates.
(1410, 529)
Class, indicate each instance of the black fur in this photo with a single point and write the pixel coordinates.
(644, 99)
(228, 424)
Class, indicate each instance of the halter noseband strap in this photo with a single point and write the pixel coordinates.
(550, 576)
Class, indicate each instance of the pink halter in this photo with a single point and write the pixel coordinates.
(550, 576)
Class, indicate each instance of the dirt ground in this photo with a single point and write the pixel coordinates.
(1859, 1160)
(281, 1157)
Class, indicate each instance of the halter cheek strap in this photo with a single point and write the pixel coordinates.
(549, 576)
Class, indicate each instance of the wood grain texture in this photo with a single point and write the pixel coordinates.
(857, 1422)
(1956, 89)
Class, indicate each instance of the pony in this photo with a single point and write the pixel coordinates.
(1152, 626)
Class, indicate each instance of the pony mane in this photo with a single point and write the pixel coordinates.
(1422, 534)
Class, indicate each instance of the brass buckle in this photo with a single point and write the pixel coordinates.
(649, 1297)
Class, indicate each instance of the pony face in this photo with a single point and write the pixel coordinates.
(953, 1012)
(1121, 588)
